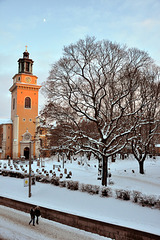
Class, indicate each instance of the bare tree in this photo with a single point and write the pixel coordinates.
(149, 119)
(98, 81)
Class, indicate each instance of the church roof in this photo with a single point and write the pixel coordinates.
(5, 121)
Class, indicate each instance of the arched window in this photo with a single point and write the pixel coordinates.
(27, 102)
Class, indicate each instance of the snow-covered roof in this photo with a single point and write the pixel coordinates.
(5, 121)
(157, 145)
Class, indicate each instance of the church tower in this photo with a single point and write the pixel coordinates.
(24, 109)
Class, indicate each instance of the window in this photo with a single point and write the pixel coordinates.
(27, 102)
(27, 66)
(24, 119)
(13, 103)
(22, 70)
(30, 119)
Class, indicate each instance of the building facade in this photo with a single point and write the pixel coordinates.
(24, 114)
(5, 139)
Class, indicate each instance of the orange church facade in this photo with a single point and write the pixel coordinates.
(5, 138)
(18, 138)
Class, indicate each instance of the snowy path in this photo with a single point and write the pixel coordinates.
(14, 226)
(92, 206)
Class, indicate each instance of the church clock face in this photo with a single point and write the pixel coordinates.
(28, 79)
(27, 137)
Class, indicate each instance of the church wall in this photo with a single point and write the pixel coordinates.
(6, 141)
(1, 138)
(24, 114)
(15, 137)
(1, 135)
(14, 98)
(27, 117)
(8, 132)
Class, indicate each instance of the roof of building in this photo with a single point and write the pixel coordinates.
(157, 145)
(5, 121)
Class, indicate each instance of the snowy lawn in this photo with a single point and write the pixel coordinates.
(112, 210)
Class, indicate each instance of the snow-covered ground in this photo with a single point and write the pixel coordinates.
(125, 213)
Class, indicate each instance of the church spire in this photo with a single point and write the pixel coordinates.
(25, 63)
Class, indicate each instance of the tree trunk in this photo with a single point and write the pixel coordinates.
(68, 156)
(141, 167)
(114, 158)
(105, 171)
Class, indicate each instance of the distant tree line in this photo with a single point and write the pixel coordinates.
(104, 98)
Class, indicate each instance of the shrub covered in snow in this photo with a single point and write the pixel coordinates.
(62, 183)
(158, 203)
(45, 180)
(136, 195)
(5, 172)
(149, 201)
(13, 174)
(20, 175)
(38, 178)
(106, 192)
(123, 194)
(55, 181)
(72, 185)
(92, 189)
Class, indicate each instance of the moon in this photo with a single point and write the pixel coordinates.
(44, 20)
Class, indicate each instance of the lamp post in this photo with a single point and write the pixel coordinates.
(29, 194)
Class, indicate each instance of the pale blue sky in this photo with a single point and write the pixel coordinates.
(47, 25)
